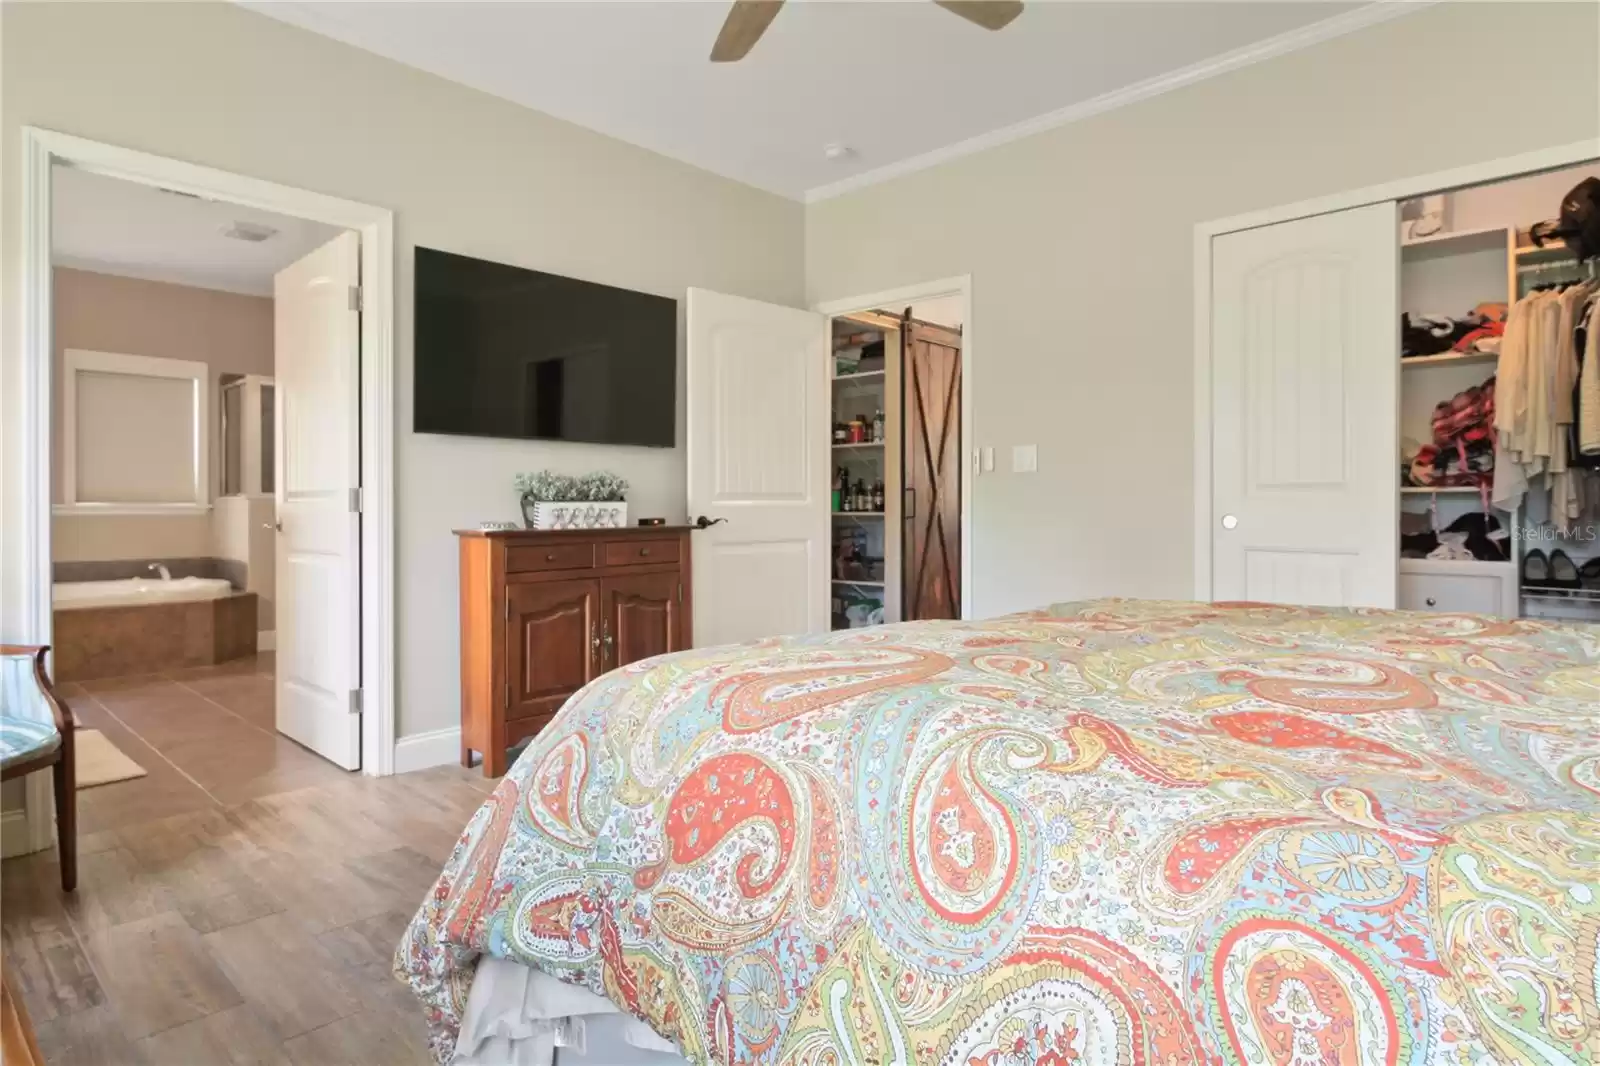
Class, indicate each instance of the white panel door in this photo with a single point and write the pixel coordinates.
(1305, 385)
(316, 342)
(758, 460)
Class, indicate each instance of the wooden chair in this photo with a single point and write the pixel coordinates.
(36, 732)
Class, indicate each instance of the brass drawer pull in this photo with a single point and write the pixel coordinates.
(644, 551)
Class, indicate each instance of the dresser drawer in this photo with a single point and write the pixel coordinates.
(636, 552)
(1458, 593)
(522, 558)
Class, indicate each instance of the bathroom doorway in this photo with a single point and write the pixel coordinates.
(159, 562)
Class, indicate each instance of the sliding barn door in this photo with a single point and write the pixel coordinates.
(1305, 380)
(758, 458)
(931, 414)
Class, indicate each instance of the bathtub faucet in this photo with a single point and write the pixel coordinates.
(160, 568)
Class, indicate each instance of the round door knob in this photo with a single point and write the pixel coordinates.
(1432, 602)
(1229, 521)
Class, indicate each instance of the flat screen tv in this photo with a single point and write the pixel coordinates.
(506, 352)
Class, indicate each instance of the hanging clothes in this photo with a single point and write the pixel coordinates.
(1540, 417)
(1589, 383)
(1511, 410)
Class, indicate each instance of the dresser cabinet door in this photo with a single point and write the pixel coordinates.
(551, 630)
(643, 617)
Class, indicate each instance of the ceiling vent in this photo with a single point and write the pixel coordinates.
(253, 232)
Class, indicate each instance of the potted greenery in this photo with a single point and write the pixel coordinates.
(560, 501)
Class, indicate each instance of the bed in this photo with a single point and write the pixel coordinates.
(1104, 832)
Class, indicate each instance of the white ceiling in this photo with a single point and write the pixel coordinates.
(124, 228)
(896, 80)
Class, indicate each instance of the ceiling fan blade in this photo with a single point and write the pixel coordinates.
(990, 14)
(745, 24)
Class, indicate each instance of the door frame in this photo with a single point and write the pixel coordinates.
(1511, 166)
(957, 286)
(41, 150)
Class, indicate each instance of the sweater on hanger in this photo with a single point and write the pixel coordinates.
(1589, 386)
(1511, 409)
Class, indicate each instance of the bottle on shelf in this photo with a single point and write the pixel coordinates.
(838, 487)
(877, 426)
(877, 495)
(863, 496)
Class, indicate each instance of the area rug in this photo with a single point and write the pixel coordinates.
(99, 762)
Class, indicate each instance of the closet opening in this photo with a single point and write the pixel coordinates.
(896, 424)
(1499, 403)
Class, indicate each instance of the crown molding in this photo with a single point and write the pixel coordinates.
(1361, 18)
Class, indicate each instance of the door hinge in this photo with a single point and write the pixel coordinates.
(355, 500)
(355, 701)
(355, 298)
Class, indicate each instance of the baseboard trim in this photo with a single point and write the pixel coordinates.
(422, 750)
(14, 839)
(267, 640)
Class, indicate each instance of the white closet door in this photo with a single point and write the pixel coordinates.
(1305, 386)
(758, 465)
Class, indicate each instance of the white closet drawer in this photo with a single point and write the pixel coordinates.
(1472, 588)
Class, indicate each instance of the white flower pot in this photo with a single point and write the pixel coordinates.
(576, 514)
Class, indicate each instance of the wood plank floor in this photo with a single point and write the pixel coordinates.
(238, 905)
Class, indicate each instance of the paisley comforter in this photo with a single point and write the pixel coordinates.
(1106, 832)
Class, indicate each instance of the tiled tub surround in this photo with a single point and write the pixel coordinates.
(234, 570)
(119, 641)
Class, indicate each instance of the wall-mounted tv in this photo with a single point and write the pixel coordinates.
(506, 352)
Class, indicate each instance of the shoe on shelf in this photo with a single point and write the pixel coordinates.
(1535, 570)
(1589, 573)
(1563, 571)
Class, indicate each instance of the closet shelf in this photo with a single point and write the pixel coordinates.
(1458, 242)
(858, 514)
(1450, 359)
(858, 444)
(1552, 249)
(861, 375)
(867, 584)
(1423, 490)
(1540, 592)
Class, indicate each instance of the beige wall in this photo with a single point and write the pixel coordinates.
(103, 313)
(215, 84)
(1080, 246)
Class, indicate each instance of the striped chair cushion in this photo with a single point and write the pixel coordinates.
(25, 738)
(27, 728)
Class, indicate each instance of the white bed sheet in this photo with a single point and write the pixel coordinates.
(517, 1016)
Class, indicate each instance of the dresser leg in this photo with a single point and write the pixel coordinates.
(494, 761)
(466, 755)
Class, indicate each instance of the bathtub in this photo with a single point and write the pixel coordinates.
(138, 625)
(131, 591)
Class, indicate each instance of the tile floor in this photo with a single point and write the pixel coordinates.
(237, 905)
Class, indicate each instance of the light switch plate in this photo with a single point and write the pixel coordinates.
(1024, 458)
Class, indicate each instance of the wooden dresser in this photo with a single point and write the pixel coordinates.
(545, 613)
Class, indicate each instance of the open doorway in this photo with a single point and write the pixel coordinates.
(899, 430)
(173, 318)
(1500, 450)
(339, 491)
